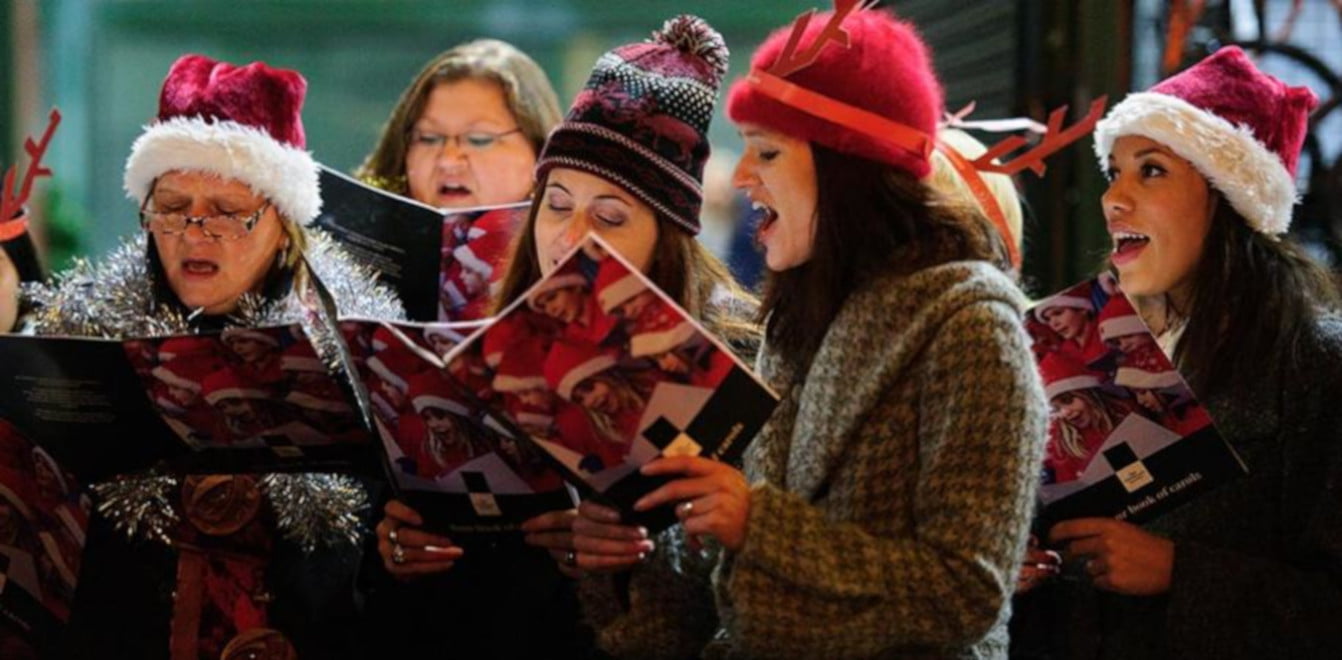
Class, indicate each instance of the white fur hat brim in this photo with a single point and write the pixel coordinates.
(1250, 176)
(285, 175)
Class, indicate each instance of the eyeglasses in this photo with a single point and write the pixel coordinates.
(470, 141)
(222, 227)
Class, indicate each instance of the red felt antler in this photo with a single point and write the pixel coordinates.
(12, 199)
(790, 61)
(1054, 139)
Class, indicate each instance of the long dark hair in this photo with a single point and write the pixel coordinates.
(870, 218)
(1252, 296)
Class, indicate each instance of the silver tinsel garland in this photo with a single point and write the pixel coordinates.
(114, 299)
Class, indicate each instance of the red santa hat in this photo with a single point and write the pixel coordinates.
(383, 338)
(568, 277)
(872, 94)
(1062, 375)
(177, 347)
(188, 372)
(531, 417)
(1118, 318)
(396, 367)
(521, 368)
(230, 334)
(228, 384)
(615, 284)
(1062, 300)
(301, 356)
(570, 363)
(430, 390)
(500, 337)
(1147, 369)
(241, 123)
(1241, 128)
(324, 399)
(659, 331)
(17, 488)
(487, 244)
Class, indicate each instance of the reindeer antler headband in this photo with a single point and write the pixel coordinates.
(12, 199)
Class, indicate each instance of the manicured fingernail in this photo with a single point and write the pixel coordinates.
(643, 532)
(444, 551)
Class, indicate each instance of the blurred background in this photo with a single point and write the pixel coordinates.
(102, 62)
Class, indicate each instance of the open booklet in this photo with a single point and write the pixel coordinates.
(443, 264)
(240, 400)
(43, 520)
(1127, 437)
(589, 375)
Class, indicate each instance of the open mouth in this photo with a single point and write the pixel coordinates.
(765, 216)
(453, 191)
(199, 267)
(1127, 245)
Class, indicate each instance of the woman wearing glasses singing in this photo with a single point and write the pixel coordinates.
(218, 565)
(467, 130)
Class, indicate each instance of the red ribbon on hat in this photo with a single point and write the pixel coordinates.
(838, 112)
(12, 229)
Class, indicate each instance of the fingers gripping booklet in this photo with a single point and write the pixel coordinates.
(1127, 437)
(588, 376)
(444, 264)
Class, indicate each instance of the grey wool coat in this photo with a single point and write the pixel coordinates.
(891, 494)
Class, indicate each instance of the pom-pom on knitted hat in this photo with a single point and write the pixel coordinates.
(641, 122)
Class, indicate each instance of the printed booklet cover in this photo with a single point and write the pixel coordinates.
(1127, 437)
(446, 455)
(444, 264)
(240, 400)
(43, 520)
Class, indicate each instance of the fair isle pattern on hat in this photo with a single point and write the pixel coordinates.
(641, 121)
(1241, 128)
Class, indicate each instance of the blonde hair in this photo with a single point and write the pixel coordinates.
(1072, 440)
(526, 91)
(947, 181)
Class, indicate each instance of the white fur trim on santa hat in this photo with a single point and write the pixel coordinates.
(169, 405)
(468, 259)
(619, 291)
(534, 418)
(518, 383)
(314, 402)
(434, 401)
(578, 374)
(1252, 177)
(1146, 380)
(170, 377)
(1079, 382)
(656, 343)
(1120, 326)
(216, 396)
(285, 175)
(384, 372)
(1073, 302)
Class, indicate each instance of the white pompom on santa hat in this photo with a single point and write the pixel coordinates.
(1241, 128)
(240, 123)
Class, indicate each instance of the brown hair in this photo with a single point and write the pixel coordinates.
(681, 266)
(1244, 275)
(870, 218)
(526, 90)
